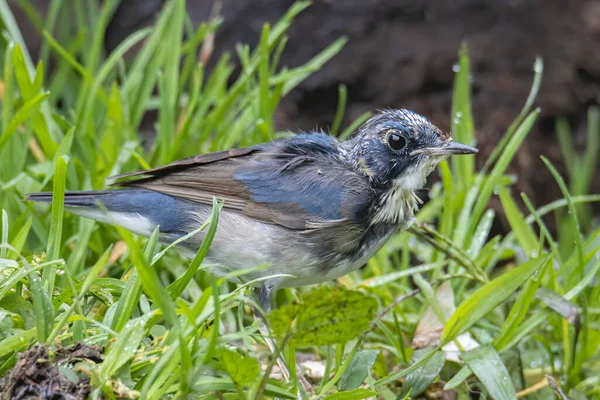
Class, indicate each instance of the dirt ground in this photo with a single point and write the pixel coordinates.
(401, 52)
(37, 375)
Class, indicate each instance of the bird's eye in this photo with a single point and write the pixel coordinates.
(395, 141)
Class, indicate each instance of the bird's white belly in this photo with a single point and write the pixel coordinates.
(241, 243)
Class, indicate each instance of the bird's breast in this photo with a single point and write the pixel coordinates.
(396, 206)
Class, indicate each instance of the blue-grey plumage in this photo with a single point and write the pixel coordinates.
(308, 206)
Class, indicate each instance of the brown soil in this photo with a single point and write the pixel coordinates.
(37, 376)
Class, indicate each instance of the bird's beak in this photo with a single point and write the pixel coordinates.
(446, 149)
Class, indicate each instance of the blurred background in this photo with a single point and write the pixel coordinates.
(400, 53)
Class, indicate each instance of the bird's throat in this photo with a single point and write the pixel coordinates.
(397, 206)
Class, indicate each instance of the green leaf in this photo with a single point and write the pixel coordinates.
(497, 172)
(538, 69)
(207, 384)
(326, 316)
(358, 370)
(413, 367)
(63, 150)
(590, 159)
(176, 288)
(58, 197)
(354, 125)
(22, 73)
(243, 369)
(4, 233)
(17, 341)
(124, 347)
(486, 364)
(16, 304)
(127, 302)
(8, 284)
(458, 378)
(579, 270)
(519, 309)
(381, 280)
(85, 113)
(150, 279)
(542, 315)
(9, 87)
(420, 379)
(153, 287)
(66, 56)
(488, 297)
(344, 366)
(525, 235)
(21, 116)
(162, 372)
(560, 305)
(356, 394)
(142, 75)
(30, 91)
(87, 284)
(462, 121)
(264, 93)
(432, 300)
(26, 65)
(339, 111)
(42, 306)
(315, 64)
(56, 224)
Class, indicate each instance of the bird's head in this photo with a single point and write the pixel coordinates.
(399, 149)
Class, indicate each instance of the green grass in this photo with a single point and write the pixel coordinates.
(530, 298)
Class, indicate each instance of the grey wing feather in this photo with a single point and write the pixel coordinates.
(270, 183)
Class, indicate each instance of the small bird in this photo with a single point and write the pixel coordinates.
(309, 207)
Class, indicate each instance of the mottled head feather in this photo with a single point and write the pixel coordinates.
(405, 120)
(370, 153)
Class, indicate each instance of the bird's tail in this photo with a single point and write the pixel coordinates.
(137, 210)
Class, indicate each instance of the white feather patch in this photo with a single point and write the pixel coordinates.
(401, 203)
(133, 222)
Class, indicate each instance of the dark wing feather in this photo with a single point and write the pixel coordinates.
(293, 183)
(200, 159)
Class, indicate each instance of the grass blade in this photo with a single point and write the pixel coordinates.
(123, 348)
(4, 240)
(177, 287)
(339, 111)
(87, 284)
(24, 113)
(462, 120)
(486, 364)
(487, 298)
(420, 379)
(56, 224)
(358, 370)
(573, 214)
(519, 309)
(42, 306)
(524, 233)
(492, 181)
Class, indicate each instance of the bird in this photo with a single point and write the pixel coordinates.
(309, 207)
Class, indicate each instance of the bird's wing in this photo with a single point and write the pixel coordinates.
(298, 183)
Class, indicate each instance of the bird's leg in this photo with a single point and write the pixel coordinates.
(264, 299)
(264, 294)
